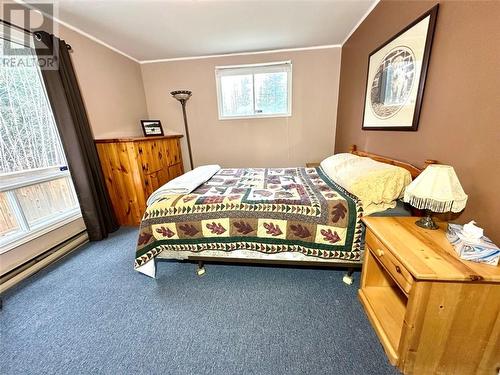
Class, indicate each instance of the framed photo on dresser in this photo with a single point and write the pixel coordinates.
(151, 128)
(396, 77)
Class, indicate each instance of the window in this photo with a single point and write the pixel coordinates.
(261, 90)
(36, 191)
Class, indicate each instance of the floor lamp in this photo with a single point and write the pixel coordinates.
(183, 96)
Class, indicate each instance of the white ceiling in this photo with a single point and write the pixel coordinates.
(165, 29)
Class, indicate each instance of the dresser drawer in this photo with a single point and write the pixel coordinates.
(397, 271)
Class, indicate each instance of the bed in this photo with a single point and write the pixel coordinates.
(295, 216)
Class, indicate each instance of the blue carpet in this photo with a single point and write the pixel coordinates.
(91, 313)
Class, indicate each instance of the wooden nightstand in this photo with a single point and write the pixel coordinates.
(433, 313)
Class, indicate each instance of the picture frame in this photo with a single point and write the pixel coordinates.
(396, 76)
(152, 128)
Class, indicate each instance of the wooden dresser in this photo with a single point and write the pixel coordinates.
(433, 313)
(134, 168)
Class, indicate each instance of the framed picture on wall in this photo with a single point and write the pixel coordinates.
(396, 77)
(151, 128)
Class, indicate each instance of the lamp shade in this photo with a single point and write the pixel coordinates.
(181, 94)
(437, 189)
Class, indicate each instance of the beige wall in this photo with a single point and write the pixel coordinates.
(111, 86)
(308, 135)
(459, 123)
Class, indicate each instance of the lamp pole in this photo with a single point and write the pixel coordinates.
(183, 96)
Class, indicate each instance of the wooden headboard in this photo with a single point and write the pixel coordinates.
(415, 171)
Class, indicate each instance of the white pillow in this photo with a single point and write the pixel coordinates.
(332, 165)
(376, 184)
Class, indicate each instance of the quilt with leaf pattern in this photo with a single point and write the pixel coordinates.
(268, 210)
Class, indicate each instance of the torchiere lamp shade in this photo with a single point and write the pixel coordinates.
(183, 96)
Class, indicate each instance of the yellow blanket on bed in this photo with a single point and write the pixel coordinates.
(377, 185)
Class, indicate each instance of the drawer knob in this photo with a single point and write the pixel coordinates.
(380, 253)
(398, 269)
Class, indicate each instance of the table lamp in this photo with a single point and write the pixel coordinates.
(436, 189)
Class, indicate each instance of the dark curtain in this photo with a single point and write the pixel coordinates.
(76, 136)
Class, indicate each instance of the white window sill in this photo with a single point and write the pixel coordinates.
(48, 225)
(225, 118)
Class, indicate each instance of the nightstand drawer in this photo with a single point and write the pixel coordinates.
(397, 271)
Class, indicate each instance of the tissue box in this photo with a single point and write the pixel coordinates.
(480, 251)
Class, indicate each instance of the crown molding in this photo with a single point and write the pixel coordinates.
(77, 30)
(361, 21)
(242, 53)
(114, 49)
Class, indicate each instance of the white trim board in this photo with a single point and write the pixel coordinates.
(360, 21)
(79, 31)
(242, 53)
(99, 41)
(93, 38)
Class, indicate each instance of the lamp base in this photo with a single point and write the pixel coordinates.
(426, 222)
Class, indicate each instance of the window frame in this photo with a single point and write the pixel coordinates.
(253, 69)
(15, 180)
(27, 232)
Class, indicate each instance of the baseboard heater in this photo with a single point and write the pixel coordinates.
(41, 261)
